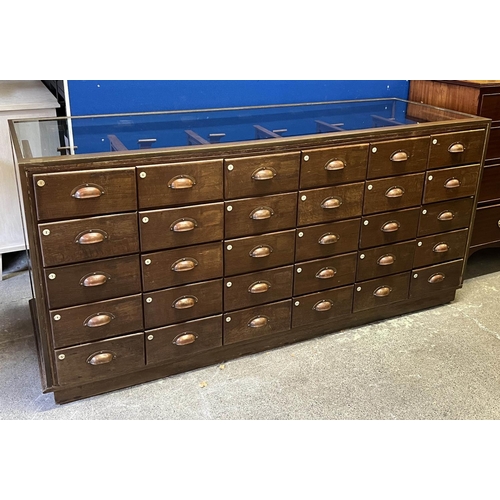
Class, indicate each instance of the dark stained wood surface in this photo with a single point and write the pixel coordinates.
(445, 216)
(422, 282)
(440, 248)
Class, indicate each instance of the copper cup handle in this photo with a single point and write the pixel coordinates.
(328, 239)
(261, 251)
(446, 215)
(258, 322)
(183, 225)
(440, 247)
(181, 182)
(101, 358)
(458, 147)
(264, 174)
(398, 156)
(386, 260)
(436, 278)
(185, 302)
(98, 319)
(323, 305)
(262, 213)
(183, 265)
(86, 191)
(452, 183)
(382, 291)
(335, 165)
(391, 226)
(331, 202)
(95, 279)
(395, 192)
(91, 237)
(185, 338)
(259, 287)
(326, 273)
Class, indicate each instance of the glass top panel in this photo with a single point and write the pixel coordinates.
(146, 131)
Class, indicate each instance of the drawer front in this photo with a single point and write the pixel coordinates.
(429, 280)
(393, 193)
(325, 240)
(252, 289)
(490, 106)
(182, 303)
(330, 204)
(440, 248)
(100, 360)
(92, 281)
(328, 166)
(387, 228)
(260, 215)
(192, 337)
(324, 273)
(88, 239)
(257, 322)
(445, 216)
(493, 150)
(96, 321)
(451, 183)
(256, 253)
(490, 184)
(86, 192)
(381, 291)
(179, 183)
(322, 306)
(381, 261)
(403, 156)
(181, 266)
(486, 226)
(261, 175)
(457, 148)
(179, 227)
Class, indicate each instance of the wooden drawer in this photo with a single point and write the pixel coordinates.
(87, 239)
(490, 184)
(109, 358)
(456, 148)
(255, 253)
(325, 240)
(92, 281)
(329, 166)
(428, 280)
(183, 183)
(440, 248)
(490, 106)
(393, 193)
(68, 195)
(181, 266)
(324, 273)
(330, 204)
(381, 291)
(381, 261)
(322, 306)
(486, 225)
(96, 321)
(402, 156)
(182, 303)
(260, 215)
(261, 175)
(252, 289)
(387, 228)
(257, 322)
(192, 337)
(445, 216)
(179, 227)
(451, 183)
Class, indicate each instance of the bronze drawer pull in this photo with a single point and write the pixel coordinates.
(436, 278)
(264, 174)
(446, 215)
(262, 213)
(185, 302)
(328, 239)
(326, 273)
(458, 147)
(386, 260)
(86, 191)
(323, 305)
(258, 322)
(399, 156)
(91, 237)
(98, 319)
(261, 251)
(335, 165)
(452, 183)
(395, 192)
(184, 264)
(331, 202)
(391, 226)
(440, 247)
(259, 287)
(181, 182)
(382, 291)
(95, 279)
(101, 358)
(185, 338)
(183, 225)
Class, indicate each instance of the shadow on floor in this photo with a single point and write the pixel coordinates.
(14, 262)
(483, 262)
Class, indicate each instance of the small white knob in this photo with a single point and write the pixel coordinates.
(229, 247)
(145, 220)
(46, 232)
(230, 167)
(229, 284)
(303, 197)
(374, 150)
(40, 183)
(306, 158)
(150, 337)
(57, 317)
(61, 356)
(228, 319)
(142, 175)
(147, 262)
(52, 276)
(297, 303)
(149, 300)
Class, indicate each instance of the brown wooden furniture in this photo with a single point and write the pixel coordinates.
(482, 98)
(150, 262)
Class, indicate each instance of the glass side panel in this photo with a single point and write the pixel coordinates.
(143, 131)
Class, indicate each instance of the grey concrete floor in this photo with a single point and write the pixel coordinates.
(438, 364)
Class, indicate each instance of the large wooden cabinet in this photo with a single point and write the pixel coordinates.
(150, 262)
(478, 97)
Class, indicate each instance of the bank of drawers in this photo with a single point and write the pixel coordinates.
(145, 265)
